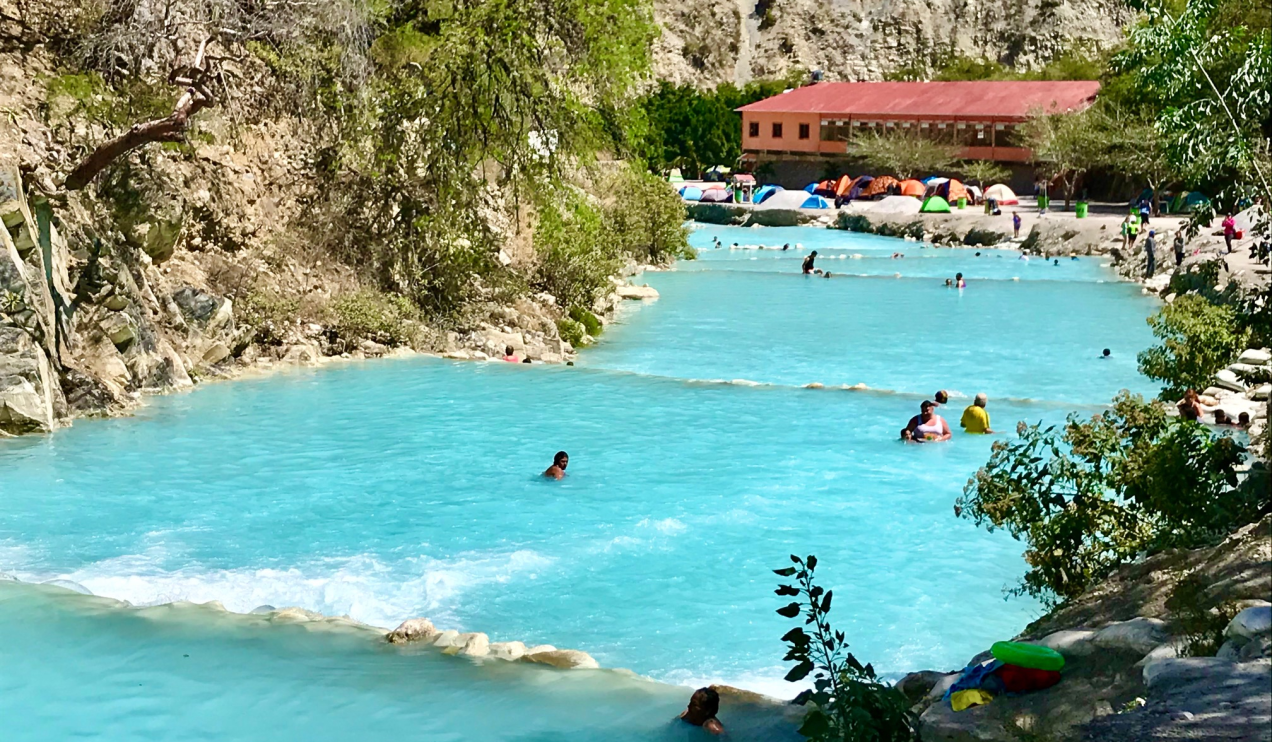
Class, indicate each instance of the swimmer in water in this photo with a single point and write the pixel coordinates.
(704, 704)
(786, 247)
(1056, 261)
(559, 462)
(958, 279)
(942, 397)
(949, 283)
(808, 262)
(927, 426)
(1106, 353)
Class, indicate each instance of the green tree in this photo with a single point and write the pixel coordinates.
(1138, 149)
(1093, 494)
(646, 218)
(1066, 145)
(1197, 338)
(576, 254)
(906, 153)
(983, 172)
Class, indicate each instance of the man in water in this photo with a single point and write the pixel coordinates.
(704, 704)
(786, 247)
(942, 397)
(509, 356)
(559, 462)
(927, 426)
(808, 262)
(1106, 353)
(975, 417)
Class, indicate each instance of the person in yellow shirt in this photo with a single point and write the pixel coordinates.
(975, 418)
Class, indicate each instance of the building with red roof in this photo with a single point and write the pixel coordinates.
(982, 117)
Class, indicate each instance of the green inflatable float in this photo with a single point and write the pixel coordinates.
(1031, 656)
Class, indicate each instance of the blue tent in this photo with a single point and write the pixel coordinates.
(762, 194)
(928, 180)
(815, 202)
(691, 193)
(810, 187)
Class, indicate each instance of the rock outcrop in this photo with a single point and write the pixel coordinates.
(422, 633)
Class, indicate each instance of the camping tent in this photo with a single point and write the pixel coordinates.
(929, 180)
(1188, 201)
(691, 193)
(896, 205)
(811, 187)
(859, 184)
(764, 192)
(935, 205)
(709, 186)
(1002, 193)
(843, 185)
(815, 202)
(718, 173)
(1247, 220)
(879, 186)
(825, 188)
(974, 192)
(786, 200)
(912, 188)
(950, 190)
(716, 196)
(675, 176)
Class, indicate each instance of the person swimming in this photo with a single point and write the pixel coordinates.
(786, 247)
(509, 356)
(1190, 406)
(949, 283)
(559, 463)
(1106, 353)
(808, 262)
(927, 426)
(959, 282)
(703, 707)
(942, 397)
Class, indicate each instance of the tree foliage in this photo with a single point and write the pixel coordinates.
(983, 172)
(849, 703)
(1197, 338)
(906, 153)
(1067, 145)
(1091, 495)
(646, 218)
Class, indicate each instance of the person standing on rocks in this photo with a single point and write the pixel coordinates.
(559, 463)
(1179, 247)
(1015, 224)
(1150, 254)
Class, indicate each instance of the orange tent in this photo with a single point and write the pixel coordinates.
(912, 188)
(843, 185)
(879, 186)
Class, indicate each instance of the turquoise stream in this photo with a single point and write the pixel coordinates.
(392, 489)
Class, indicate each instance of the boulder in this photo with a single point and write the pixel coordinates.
(1071, 643)
(373, 349)
(120, 329)
(215, 353)
(917, 685)
(1255, 357)
(1227, 379)
(1248, 371)
(28, 395)
(1141, 635)
(474, 644)
(203, 309)
(565, 659)
(1250, 624)
(1261, 393)
(628, 291)
(507, 650)
(447, 638)
(302, 355)
(413, 630)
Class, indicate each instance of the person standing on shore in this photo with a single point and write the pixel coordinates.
(1150, 254)
(1015, 224)
(1229, 230)
(1179, 247)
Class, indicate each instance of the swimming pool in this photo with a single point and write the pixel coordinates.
(393, 489)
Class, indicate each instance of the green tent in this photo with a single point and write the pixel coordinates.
(935, 205)
(675, 176)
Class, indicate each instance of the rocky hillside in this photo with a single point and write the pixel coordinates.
(739, 40)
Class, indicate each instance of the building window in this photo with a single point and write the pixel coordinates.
(803, 131)
(754, 130)
(777, 131)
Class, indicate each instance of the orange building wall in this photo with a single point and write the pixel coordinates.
(790, 141)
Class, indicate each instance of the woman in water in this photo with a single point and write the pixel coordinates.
(927, 426)
(959, 282)
(1190, 406)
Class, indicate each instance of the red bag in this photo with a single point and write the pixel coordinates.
(1018, 679)
(1240, 235)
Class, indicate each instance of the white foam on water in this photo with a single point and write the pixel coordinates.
(362, 586)
(668, 526)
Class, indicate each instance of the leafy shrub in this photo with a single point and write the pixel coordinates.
(1198, 338)
(589, 321)
(571, 331)
(265, 313)
(849, 702)
(853, 222)
(647, 218)
(1200, 627)
(1089, 496)
(576, 255)
(373, 315)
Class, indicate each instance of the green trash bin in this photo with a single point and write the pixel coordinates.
(1043, 202)
(962, 203)
(1081, 210)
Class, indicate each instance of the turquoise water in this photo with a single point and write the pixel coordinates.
(392, 489)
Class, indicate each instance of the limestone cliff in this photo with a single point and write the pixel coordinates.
(709, 43)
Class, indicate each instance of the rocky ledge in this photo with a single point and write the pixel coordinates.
(421, 632)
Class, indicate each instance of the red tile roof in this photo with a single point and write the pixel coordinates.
(936, 100)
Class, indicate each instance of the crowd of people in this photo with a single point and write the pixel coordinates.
(1191, 408)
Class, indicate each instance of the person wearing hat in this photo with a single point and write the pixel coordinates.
(1150, 254)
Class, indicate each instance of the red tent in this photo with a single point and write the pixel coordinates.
(913, 188)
